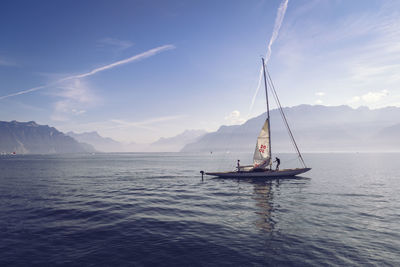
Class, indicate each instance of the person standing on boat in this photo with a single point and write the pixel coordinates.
(278, 162)
(238, 165)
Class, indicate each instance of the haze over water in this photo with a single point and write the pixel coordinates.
(154, 209)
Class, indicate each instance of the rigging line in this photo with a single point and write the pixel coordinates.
(230, 137)
(280, 110)
(290, 132)
(288, 129)
(284, 118)
(282, 115)
(286, 123)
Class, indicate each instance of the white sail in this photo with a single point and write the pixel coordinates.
(262, 153)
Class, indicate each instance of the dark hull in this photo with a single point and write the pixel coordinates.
(261, 174)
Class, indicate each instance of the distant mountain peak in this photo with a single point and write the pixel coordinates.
(104, 144)
(92, 133)
(28, 123)
(30, 137)
(177, 142)
(315, 127)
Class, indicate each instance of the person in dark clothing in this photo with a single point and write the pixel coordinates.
(278, 162)
(238, 165)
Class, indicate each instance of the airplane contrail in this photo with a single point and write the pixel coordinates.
(143, 55)
(278, 22)
(146, 54)
(255, 94)
(24, 91)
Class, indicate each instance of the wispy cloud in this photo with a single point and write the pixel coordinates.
(111, 125)
(25, 91)
(126, 130)
(234, 118)
(354, 100)
(146, 124)
(372, 99)
(137, 57)
(349, 55)
(253, 100)
(320, 95)
(7, 63)
(143, 55)
(115, 43)
(74, 94)
(278, 23)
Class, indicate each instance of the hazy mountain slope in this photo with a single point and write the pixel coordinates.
(316, 128)
(103, 144)
(29, 137)
(389, 137)
(106, 144)
(177, 142)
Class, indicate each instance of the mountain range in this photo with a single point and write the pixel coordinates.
(105, 144)
(316, 128)
(32, 138)
(102, 144)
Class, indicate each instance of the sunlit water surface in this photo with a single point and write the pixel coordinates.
(154, 210)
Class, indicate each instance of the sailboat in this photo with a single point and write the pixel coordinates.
(262, 159)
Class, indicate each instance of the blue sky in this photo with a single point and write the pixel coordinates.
(139, 70)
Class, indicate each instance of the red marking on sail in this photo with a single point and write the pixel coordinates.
(262, 148)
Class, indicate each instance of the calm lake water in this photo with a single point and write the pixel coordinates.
(154, 210)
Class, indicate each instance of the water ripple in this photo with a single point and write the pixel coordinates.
(154, 210)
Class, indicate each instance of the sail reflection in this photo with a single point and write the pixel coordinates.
(263, 195)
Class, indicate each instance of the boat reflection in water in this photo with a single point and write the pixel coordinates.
(263, 195)
(268, 194)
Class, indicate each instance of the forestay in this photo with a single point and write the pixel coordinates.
(262, 153)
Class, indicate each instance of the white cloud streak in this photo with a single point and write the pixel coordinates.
(143, 55)
(371, 99)
(253, 100)
(278, 22)
(144, 124)
(74, 94)
(137, 57)
(116, 43)
(234, 117)
(348, 57)
(24, 91)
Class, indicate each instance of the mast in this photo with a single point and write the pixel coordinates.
(269, 124)
(284, 119)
